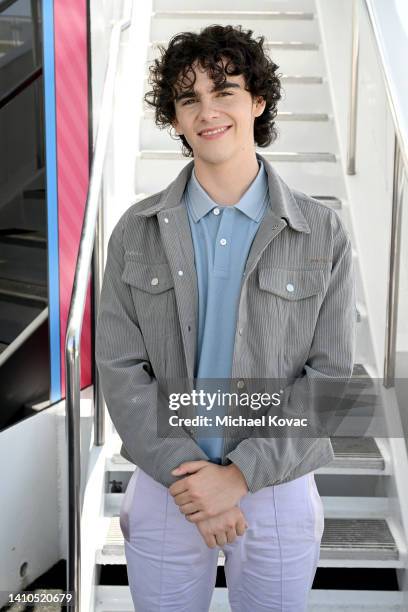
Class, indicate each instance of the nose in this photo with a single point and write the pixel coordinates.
(208, 109)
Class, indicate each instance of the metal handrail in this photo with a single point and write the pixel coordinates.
(352, 132)
(76, 313)
(399, 174)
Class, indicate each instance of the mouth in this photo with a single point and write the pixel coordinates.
(213, 134)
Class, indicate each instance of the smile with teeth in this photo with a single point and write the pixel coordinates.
(215, 131)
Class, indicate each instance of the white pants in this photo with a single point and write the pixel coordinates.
(270, 568)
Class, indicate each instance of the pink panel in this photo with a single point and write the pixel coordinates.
(71, 78)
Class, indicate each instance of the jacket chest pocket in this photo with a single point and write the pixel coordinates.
(152, 289)
(291, 300)
(292, 285)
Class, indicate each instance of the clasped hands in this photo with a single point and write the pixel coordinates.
(207, 495)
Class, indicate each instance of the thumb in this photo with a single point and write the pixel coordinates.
(189, 467)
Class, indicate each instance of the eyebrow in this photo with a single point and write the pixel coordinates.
(191, 93)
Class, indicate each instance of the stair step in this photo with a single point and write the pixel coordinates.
(23, 292)
(153, 175)
(295, 133)
(362, 542)
(290, 59)
(355, 456)
(362, 539)
(296, 97)
(118, 599)
(22, 237)
(302, 101)
(269, 155)
(113, 598)
(231, 5)
(215, 14)
(281, 116)
(284, 26)
(294, 116)
(294, 45)
(286, 78)
(336, 600)
(352, 456)
(299, 78)
(117, 463)
(339, 507)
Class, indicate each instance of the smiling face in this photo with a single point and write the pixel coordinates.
(217, 121)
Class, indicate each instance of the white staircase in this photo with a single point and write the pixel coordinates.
(361, 496)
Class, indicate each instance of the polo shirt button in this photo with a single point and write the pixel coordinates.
(154, 281)
(223, 242)
(216, 211)
(166, 219)
(240, 384)
(240, 331)
(180, 273)
(290, 287)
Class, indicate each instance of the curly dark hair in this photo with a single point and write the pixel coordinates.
(209, 48)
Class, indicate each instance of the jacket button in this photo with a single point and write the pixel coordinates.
(240, 384)
(166, 219)
(154, 281)
(240, 331)
(290, 287)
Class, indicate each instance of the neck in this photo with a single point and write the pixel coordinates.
(226, 182)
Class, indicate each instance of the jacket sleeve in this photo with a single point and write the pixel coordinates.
(129, 386)
(268, 461)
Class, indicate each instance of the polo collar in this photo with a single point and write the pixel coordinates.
(251, 202)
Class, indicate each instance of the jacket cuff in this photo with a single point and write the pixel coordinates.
(246, 460)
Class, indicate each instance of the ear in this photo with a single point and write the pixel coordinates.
(177, 127)
(259, 104)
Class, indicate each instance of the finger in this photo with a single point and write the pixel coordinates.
(241, 527)
(181, 486)
(221, 538)
(189, 467)
(189, 508)
(197, 516)
(183, 498)
(231, 535)
(210, 541)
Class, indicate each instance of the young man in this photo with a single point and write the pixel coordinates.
(228, 274)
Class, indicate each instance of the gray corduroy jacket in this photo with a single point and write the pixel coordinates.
(148, 331)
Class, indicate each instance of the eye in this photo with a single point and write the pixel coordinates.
(225, 93)
(187, 101)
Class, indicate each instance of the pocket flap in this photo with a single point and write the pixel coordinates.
(153, 278)
(292, 284)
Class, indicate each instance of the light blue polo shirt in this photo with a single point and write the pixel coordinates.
(222, 237)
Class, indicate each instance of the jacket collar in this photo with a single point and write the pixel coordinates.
(282, 202)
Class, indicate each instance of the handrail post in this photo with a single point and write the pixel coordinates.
(393, 275)
(353, 99)
(73, 433)
(98, 266)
